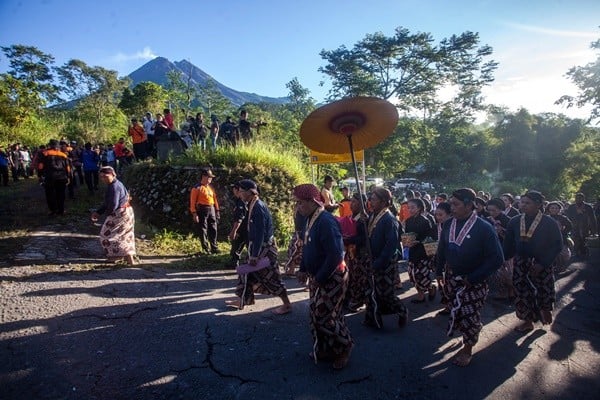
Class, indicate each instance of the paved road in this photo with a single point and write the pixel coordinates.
(156, 333)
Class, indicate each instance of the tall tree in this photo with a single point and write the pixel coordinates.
(33, 67)
(213, 101)
(587, 79)
(96, 90)
(409, 69)
(145, 96)
(301, 104)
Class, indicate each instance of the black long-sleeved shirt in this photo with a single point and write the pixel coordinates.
(477, 258)
(543, 246)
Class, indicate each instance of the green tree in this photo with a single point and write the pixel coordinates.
(33, 67)
(410, 69)
(301, 104)
(96, 91)
(213, 101)
(144, 97)
(587, 80)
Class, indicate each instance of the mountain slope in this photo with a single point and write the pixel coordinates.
(156, 71)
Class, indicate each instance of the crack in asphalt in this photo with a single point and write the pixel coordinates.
(355, 380)
(208, 359)
(104, 317)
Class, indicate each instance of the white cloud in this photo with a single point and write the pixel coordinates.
(145, 54)
(553, 32)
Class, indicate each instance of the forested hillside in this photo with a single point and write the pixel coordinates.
(443, 142)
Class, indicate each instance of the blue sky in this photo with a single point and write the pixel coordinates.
(258, 46)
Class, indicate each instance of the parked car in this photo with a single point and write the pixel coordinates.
(406, 183)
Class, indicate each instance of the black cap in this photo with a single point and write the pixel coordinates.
(248, 185)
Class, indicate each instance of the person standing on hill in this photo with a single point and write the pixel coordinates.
(54, 171)
(139, 139)
(168, 119)
(204, 208)
(148, 125)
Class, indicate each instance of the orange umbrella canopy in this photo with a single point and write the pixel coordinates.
(367, 120)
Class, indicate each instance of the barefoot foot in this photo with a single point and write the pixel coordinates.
(282, 309)
(233, 303)
(525, 327)
(462, 358)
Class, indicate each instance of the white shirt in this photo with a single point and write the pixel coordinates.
(148, 126)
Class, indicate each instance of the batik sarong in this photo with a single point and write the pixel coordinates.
(382, 299)
(420, 274)
(465, 307)
(117, 235)
(358, 282)
(294, 254)
(501, 281)
(331, 336)
(534, 292)
(263, 281)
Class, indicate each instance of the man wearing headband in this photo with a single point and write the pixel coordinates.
(264, 276)
(383, 231)
(116, 235)
(535, 241)
(468, 253)
(323, 262)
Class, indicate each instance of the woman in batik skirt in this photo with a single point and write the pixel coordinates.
(468, 253)
(323, 266)
(117, 234)
(419, 264)
(264, 278)
(500, 282)
(382, 228)
(294, 251)
(534, 239)
(356, 255)
(442, 214)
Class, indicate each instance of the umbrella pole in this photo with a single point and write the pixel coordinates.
(362, 203)
(367, 240)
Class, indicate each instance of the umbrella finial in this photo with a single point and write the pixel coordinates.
(347, 123)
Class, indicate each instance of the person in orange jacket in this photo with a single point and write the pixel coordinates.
(204, 208)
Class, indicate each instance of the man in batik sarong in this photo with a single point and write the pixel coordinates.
(383, 229)
(468, 253)
(117, 234)
(535, 241)
(323, 265)
(262, 254)
(356, 255)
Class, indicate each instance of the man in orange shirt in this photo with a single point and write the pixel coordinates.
(139, 139)
(204, 207)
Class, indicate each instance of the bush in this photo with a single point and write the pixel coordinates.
(161, 191)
